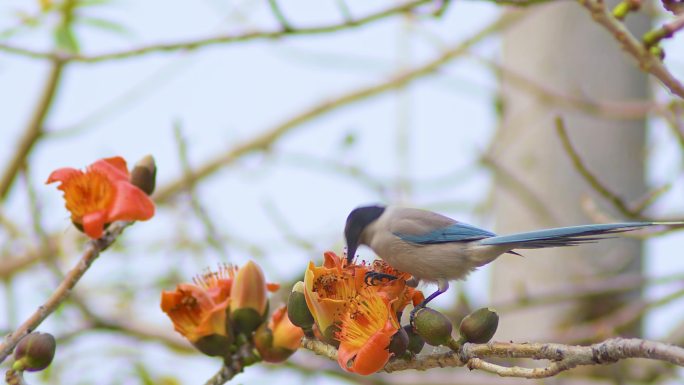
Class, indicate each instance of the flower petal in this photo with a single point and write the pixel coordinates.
(272, 287)
(285, 333)
(63, 174)
(93, 224)
(130, 204)
(372, 356)
(114, 168)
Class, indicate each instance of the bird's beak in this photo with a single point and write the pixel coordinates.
(351, 252)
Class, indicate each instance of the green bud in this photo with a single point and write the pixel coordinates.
(479, 326)
(399, 342)
(297, 310)
(658, 51)
(144, 174)
(620, 11)
(433, 326)
(416, 342)
(246, 320)
(214, 345)
(34, 352)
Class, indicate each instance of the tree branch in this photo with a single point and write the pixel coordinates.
(588, 176)
(219, 39)
(265, 140)
(33, 130)
(648, 62)
(562, 357)
(93, 250)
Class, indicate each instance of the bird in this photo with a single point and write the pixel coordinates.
(435, 248)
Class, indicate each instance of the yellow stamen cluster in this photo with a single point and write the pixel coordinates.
(367, 314)
(86, 193)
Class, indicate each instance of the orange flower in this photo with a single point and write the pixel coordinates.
(198, 311)
(361, 317)
(397, 290)
(101, 195)
(365, 333)
(328, 290)
(280, 339)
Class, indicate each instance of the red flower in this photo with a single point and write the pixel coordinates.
(101, 195)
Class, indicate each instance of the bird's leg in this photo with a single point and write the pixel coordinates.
(442, 286)
(373, 277)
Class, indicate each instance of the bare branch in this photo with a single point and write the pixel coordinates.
(648, 62)
(61, 293)
(265, 140)
(588, 176)
(667, 30)
(34, 128)
(563, 357)
(219, 39)
(278, 13)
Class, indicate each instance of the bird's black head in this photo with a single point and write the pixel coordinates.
(357, 221)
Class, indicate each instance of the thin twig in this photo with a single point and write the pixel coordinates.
(34, 129)
(219, 39)
(61, 293)
(667, 30)
(265, 140)
(617, 110)
(588, 176)
(278, 13)
(615, 284)
(526, 193)
(648, 62)
(212, 235)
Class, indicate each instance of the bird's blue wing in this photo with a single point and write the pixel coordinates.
(457, 232)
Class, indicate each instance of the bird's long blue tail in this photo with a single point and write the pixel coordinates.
(563, 236)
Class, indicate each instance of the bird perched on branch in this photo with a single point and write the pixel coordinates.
(435, 248)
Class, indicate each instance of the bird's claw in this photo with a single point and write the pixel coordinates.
(373, 278)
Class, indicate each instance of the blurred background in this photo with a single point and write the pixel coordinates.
(270, 121)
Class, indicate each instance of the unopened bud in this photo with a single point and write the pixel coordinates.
(399, 342)
(416, 342)
(246, 320)
(479, 326)
(34, 352)
(657, 51)
(433, 326)
(144, 174)
(297, 310)
(215, 345)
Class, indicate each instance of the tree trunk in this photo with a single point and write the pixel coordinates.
(558, 47)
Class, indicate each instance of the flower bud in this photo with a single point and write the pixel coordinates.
(399, 342)
(144, 174)
(416, 342)
(297, 310)
(248, 298)
(479, 326)
(433, 326)
(34, 352)
(279, 339)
